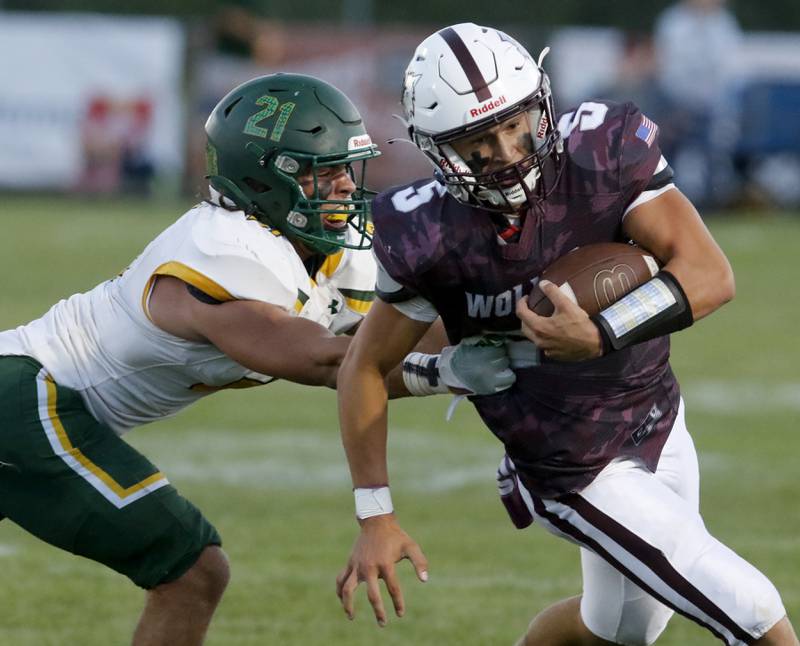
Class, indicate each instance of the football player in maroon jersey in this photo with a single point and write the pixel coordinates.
(593, 427)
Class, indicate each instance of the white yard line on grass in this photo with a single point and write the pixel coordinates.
(735, 397)
(302, 459)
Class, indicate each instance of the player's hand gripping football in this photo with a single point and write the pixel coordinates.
(567, 335)
(381, 544)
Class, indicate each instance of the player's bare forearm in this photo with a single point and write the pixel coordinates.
(281, 345)
(269, 340)
(670, 227)
(434, 339)
(383, 339)
(258, 335)
(362, 417)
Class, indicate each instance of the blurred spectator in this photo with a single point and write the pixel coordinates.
(115, 142)
(137, 165)
(696, 44)
(636, 74)
(242, 32)
(102, 150)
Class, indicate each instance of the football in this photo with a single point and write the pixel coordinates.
(595, 276)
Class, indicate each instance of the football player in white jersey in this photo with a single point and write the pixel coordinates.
(249, 286)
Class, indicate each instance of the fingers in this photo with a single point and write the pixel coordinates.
(559, 298)
(374, 557)
(389, 576)
(418, 560)
(341, 578)
(395, 592)
(375, 599)
(545, 331)
(490, 353)
(501, 368)
(532, 323)
(522, 353)
(529, 318)
(346, 584)
(506, 467)
(504, 379)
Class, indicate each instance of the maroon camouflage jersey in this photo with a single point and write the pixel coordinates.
(561, 423)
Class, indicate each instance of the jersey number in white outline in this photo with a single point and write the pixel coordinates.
(411, 198)
(588, 116)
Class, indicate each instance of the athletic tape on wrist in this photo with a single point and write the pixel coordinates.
(421, 375)
(656, 308)
(372, 501)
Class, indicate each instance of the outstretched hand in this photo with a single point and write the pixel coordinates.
(567, 335)
(381, 544)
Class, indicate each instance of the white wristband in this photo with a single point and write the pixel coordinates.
(421, 375)
(372, 501)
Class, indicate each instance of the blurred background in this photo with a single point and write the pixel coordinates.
(107, 98)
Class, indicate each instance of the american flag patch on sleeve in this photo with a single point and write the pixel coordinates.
(647, 131)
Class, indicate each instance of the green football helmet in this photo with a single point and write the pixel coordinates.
(266, 133)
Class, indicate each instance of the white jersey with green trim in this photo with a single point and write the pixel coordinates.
(103, 343)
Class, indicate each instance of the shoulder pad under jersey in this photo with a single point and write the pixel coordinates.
(231, 257)
(353, 272)
(408, 228)
(612, 139)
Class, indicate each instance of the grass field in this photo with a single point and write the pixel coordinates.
(267, 468)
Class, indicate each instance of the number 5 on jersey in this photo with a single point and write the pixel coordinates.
(588, 116)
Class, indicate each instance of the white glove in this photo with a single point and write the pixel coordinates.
(476, 366)
(522, 353)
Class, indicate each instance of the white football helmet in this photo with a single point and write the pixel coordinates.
(465, 78)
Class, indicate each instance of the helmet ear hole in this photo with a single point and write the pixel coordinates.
(254, 184)
(231, 107)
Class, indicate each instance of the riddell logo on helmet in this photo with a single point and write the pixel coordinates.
(543, 123)
(488, 106)
(359, 141)
(450, 166)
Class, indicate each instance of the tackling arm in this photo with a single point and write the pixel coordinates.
(262, 337)
(267, 339)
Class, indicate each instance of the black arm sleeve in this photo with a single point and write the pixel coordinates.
(661, 299)
(661, 179)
